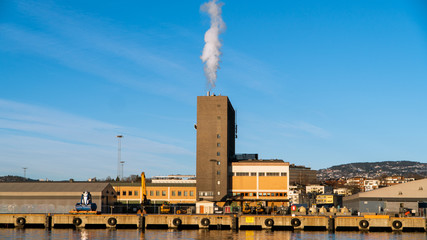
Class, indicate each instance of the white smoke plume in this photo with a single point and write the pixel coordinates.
(211, 52)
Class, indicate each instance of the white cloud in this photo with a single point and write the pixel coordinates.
(98, 47)
(60, 145)
(306, 128)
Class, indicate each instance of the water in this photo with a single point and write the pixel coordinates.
(107, 234)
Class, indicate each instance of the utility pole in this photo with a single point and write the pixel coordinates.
(119, 154)
(25, 172)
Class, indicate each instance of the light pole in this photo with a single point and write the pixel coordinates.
(123, 163)
(25, 172)
(119, 153)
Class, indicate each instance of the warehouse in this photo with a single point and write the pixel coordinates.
(392, 200)
(52, 197)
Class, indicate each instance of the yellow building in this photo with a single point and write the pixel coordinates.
(265, 180)
(173, 189)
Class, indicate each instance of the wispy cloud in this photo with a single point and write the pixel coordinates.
(98, 47)
(67, 146)
(295, 129)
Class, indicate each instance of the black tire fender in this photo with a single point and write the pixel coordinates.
(364, 224)
(295, 222)
(397, 224)
(177, 222)
(112, 221)
(21, 221)
(77, 221)
(205, 222)
(269, 222)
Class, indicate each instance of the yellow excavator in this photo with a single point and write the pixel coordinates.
(260, 208)
(144, 200)
(165, 208)
(246, 208)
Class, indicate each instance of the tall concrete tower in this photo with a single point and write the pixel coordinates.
(215, 146)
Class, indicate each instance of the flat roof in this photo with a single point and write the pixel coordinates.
(53, 186)
(260, 162)
(414, 189)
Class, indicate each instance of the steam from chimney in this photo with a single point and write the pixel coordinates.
(211, 51)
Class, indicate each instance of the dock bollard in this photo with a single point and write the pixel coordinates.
(48, 223)
(235, 223)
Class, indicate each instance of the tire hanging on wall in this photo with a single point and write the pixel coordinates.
(112, 221)
(269, 222)
(77, 221)
(205, 222)
(295, 222)
(177, 222)
(20, 221)
(397, 224)
(364, 224)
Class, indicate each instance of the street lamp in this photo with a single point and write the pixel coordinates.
(25, 172)
(119, 153)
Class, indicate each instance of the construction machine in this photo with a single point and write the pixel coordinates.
(260, 208)
(165, 208)
(246, 208)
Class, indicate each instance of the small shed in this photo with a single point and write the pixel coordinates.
(205, 207)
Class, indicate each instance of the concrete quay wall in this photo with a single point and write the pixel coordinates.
(217, 221)
(367, 222)
(295, 222)
(200, 220)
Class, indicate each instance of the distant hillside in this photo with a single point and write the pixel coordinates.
(15, 179)
(375, 170)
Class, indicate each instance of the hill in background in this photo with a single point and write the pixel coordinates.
(374, 170)
(10, 178)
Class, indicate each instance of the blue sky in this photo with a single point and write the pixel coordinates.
(315, 83)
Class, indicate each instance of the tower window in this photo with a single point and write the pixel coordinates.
(218, 136)
(218, 153)
(218, 144)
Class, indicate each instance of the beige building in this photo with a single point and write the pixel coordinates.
(342, 191)
(318, 189)
(52, 197)
(390, 200)
(260, 179)
(371, 184)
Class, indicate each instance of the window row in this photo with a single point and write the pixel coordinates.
(128, 193)
(252, 194)
(205, 193)
(173, 193)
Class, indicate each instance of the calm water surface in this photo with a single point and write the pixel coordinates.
(86, 234)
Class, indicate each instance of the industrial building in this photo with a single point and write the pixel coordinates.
(302, 175)
(221, 173)
(52, 197)
(391, 200)
(260, 180)
(216, 131)
(175, 189)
